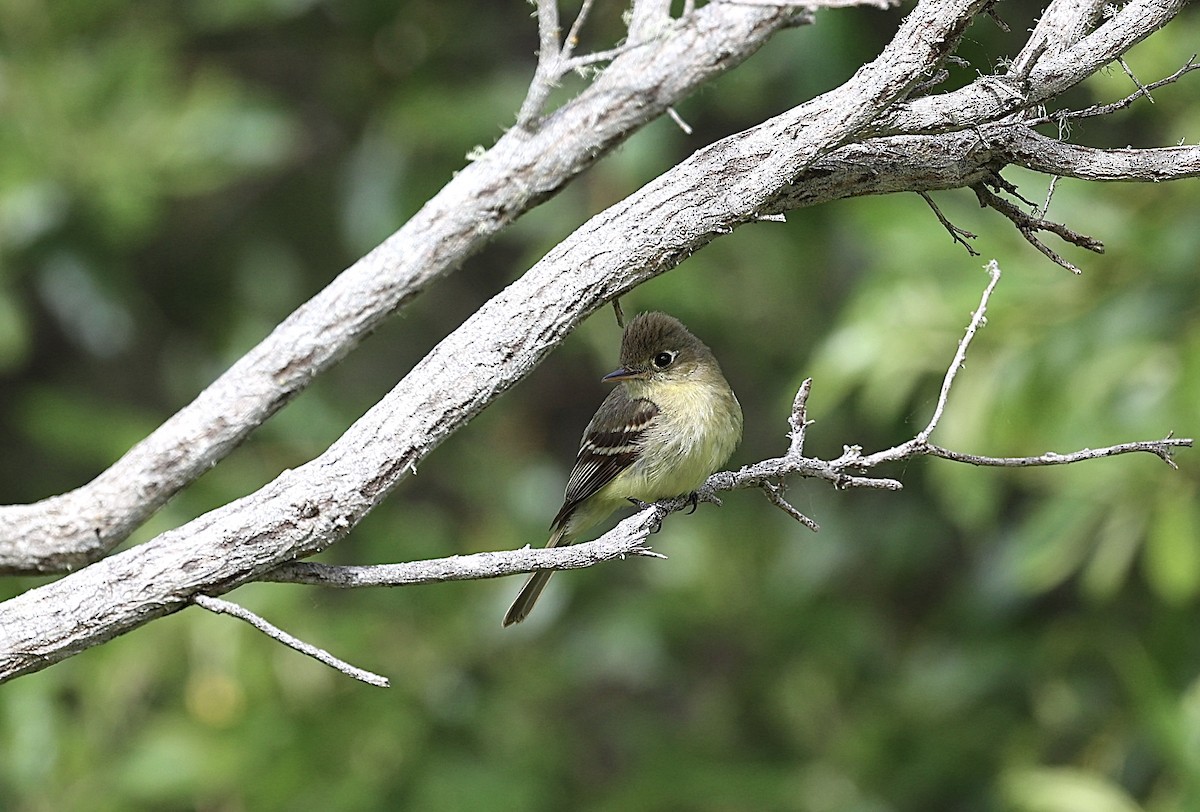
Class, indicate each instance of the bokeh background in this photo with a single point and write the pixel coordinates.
(176, 178)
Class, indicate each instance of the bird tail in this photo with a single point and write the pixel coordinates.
(529, 593)
(527, 597)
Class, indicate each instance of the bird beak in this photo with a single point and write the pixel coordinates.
(622, 375)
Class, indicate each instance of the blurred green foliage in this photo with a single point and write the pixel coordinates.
(175, 178)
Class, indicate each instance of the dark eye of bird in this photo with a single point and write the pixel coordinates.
(664, 359)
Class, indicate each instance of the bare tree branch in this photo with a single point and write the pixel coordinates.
(547, 73)
(774, 494)
(812, 153)
(307, 509)
(1029, 225)
(1160, 448)
(647, 18)
(978, 318)
(769, 475)
(629, 536)
(962, 159)
(679, 122)
(522, 169)
(1063, 24)
(1024, 147)
(224, 607)
(959, 235)
(628, 541)
(992, 98)
(1105, 109)
(64, 532)
(572, 40)
(1041, 211)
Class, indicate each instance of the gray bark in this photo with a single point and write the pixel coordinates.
(527, 165)
(815, 152)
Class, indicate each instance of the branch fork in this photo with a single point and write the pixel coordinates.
(868, 136)
(769, 476)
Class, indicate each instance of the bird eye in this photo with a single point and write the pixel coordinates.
(664, 359)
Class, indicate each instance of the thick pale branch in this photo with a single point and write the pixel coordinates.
(1062, 116)
(1063, 24)
(524, 167)
(306, 510)
(795, 159)
(65, 532)
(992, 98)
(769, 476)
(1025, 147)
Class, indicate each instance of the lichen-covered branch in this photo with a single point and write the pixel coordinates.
(818, 151)
(526, 165)
(770, 476)
(307, 509)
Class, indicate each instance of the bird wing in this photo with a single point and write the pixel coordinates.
(610, 445)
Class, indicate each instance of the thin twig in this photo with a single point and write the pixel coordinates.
(1044, 209)
(978, 319)
(1028, 226)
(939, 76)
(1002, 184)
(629, 536)
(577, 62)
(1129, 72)
(775, 497)
(957, 233)
(990, 11)
(626, 539)
(1160, 448)
(618, 312)
(798, 421)
(555, 61)
(224, 607)
(679, 122)
(572, 40)
(1112, 107)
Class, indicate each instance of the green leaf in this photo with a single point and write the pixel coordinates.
(1172, 555)
(1043, 789)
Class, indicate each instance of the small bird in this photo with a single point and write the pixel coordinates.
(671, 421)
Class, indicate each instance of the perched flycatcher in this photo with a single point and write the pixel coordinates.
(670, 422)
